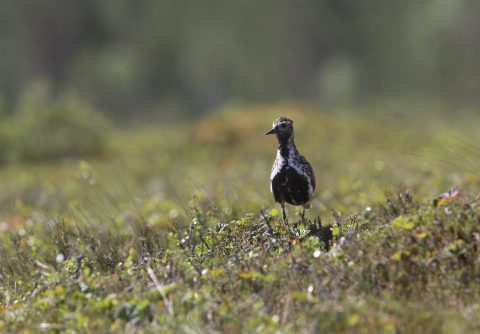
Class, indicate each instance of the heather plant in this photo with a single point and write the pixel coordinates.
(167, 234)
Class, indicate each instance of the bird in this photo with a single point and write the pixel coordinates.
(292, 179)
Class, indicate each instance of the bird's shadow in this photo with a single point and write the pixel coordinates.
(317, 230)
(303, 229)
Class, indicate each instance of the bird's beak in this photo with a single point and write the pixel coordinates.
(271, 132)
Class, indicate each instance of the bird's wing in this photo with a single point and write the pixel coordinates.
(309, 171)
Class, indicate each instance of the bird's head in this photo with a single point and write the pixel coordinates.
(283, 128)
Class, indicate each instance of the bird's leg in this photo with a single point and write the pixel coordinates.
(303, 215)
(283, 212)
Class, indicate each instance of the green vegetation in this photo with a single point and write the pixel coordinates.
(180, 58)
(45, 126)
(173, 229)
(109, 225)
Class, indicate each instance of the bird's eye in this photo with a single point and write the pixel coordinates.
(283, 125)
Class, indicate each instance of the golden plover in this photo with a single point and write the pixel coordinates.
(292, 179)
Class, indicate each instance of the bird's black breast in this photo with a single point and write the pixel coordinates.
(290, 186)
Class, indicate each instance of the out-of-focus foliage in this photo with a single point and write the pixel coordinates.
(45, 126)
(174, 57)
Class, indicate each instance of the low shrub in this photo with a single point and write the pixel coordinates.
(45, 126)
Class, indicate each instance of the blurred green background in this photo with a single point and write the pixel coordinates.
(135, 61)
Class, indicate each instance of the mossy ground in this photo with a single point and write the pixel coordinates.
(174, 230)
